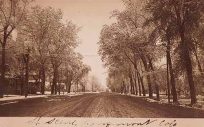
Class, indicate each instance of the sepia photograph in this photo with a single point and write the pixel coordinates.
(134, 62)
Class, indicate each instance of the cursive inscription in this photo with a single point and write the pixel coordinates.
(75, 122)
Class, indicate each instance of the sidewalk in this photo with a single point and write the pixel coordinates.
(19, 97)
(183, 102)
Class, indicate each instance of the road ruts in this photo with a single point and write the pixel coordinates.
(95, 105)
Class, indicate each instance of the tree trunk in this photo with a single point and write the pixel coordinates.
(54, 83)
(131, 81)
(68, 84)
(59, 88)
(198, 62)
(83, 88)
(52, 86)
(154, 77)
(190, 79)
(69, 87)
(26, 74)
(136, 88)
(77, 86)
(137, 80)
(141, 84)
(22, 80)
(140, 79)
(172, 79)
(43, 80)
(186, 55)
(168, 83)
(131, 84)
(188, 66)
(148, 77)
(3, 70)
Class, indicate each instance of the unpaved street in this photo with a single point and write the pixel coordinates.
(94, 105)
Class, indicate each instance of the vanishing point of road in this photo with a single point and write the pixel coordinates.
(95, 105)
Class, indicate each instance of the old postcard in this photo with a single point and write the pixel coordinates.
(101, 63)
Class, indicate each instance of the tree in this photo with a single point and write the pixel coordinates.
(165, 29)
(185, 15)
(63, 39)
(126, 41)
(12, 14)
(38, 27)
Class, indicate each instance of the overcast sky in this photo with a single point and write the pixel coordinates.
(91, 15)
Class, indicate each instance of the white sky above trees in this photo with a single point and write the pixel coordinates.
(91, 15)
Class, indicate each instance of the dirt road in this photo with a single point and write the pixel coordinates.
(95, 105)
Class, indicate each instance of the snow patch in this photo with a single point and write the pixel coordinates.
(18, 97)
(74, 94)
(183, 102)
(9, 103)
(53, 100)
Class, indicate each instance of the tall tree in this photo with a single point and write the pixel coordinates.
(63, 39)
(12, 14)
(38, 27)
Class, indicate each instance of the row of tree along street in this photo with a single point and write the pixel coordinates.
(156, 46)
(37, 44)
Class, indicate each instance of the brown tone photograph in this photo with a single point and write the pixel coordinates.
(102, 58)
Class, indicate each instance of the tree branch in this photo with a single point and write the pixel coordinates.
(4, 14)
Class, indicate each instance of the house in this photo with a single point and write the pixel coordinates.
(15, 85)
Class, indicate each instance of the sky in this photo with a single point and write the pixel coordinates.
(91, 15)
